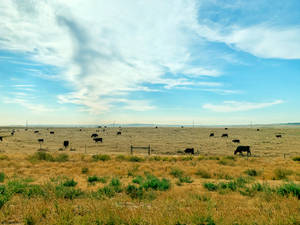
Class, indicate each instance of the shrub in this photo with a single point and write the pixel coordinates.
(2, 176)
(210, 186)
(43, 156)
(176, 172)
(61, 158)
(4, 195)
(84, 170)
(296, 158)
(93, 179)
(203, 173)
(120, 157)
(252, 172)
(115, 183)
(138, 180)
(281, 173)
(289, 188)
(108, 191)
(70, 183)
(155, 183)
(135, 192)
(101, 157)
(62, 191)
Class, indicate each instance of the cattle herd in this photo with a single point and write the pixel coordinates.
(95, 137)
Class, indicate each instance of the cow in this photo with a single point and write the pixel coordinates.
(224, 135)
(36, 131)
(98, 140)
(1, 138)
(189, 151)
(257, 129)
(94, 135)
(181, 126)
(212, 135)
(226, 128)
(119, 133)
(236, 141)
(80, 129)
(66, 144)
(51, 132)
(278, 136)
(12, 133)
(240, 149)
(40, 140)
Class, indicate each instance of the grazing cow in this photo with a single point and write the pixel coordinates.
(40, 140)
(236, 141)
(189, 151)
(36, 131)
(258, 129)
(98, 140)
(226, 128)
(80, 129)
(278, 136)
(224, 135)
(51, 132)
(1, 138)
(212, 135)
(66, 144)
(119, 133)
(240, 149)
(156, 127)
(12, 133)
(181, 126)
(99, 126)
(94, 135)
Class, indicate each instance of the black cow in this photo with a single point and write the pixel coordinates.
(12, 133)
(258, 129)
(212, 135)
(226, 128)
(98, 140)
(181, 126)
(40, 140)
(80, 129)
(224, 135)
(240, 149)
(119, 133)
(94, 135)
(1, 138)
(189, 151)
(236, 141)
(278, 136)
(36, 131)
(156, 127)
(66, 144)
(51, 132)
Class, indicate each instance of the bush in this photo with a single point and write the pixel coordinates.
(203, 173)
(70, 183)
(155, 183)
(135, 192)
(121, 158)
(138, 180)
(93, 179)
(210, 186)
(71, 193)
(281, 173)
(84, 170)
(115, 183)
(43, 156)
(296, 158)
(4, 195)
(251, 172)
(101, 157)
(176, 172)
(2, 176)
(289, 189)
(61, 158)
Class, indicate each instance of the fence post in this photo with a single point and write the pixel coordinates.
(149, 150)
(131, 149)
(85, 148)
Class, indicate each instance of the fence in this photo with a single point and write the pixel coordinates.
(132, 148)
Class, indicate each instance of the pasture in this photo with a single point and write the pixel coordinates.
(101, 183)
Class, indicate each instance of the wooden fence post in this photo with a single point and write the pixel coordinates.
(149, 150)
(131, 149)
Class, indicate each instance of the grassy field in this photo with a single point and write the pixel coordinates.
(102, 184)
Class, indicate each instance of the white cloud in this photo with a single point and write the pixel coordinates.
(234, 106)
(106, 49)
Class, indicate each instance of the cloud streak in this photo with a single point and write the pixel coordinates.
(235, 106)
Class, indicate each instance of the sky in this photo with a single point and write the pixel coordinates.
(207, 62)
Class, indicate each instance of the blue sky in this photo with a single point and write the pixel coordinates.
(151, 61)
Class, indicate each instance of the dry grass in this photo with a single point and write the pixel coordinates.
(183, 203)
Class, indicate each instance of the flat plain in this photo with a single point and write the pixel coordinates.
(101, 183)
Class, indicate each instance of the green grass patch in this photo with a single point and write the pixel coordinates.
(281, 173)
(99, 157)
(203, 173)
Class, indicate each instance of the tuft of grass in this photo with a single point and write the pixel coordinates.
(93, 179)
(70, 183)
(84, 170)
(155, 183)
(296, 158)
(138, 180)
(226, 162)
(185, 179)
(213, 158)
(289, 189)
(251, 172)
(66, 192)
(281, 173)
(43, 156)
(135, 159)
(210, 186)
(3, 157)
(2, 177)
(99, 157)
(121, 158)
(176, 172)
(203, 173)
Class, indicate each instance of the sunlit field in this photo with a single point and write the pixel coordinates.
(102, 183)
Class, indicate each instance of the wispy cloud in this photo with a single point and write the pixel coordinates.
(234, 106)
